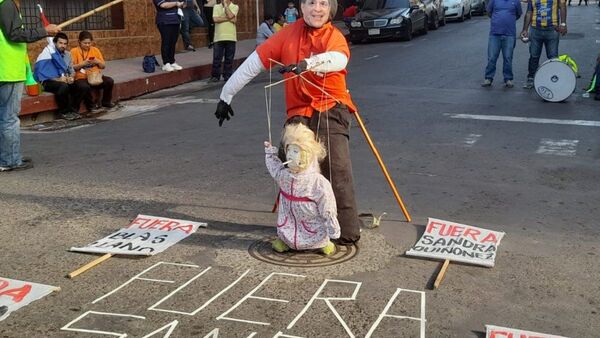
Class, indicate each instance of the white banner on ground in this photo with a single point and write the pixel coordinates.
(504, 332)
(146, 235)
(457, 242)
(15, 294)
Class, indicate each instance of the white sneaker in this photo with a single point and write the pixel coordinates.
(168, 67)
(176, 66)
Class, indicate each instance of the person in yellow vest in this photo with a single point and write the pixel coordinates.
(13, 64)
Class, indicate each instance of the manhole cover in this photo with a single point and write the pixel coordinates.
(262, 251)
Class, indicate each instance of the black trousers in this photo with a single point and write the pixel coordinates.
(68, 97)
(337, 121)
(208, 13)
(107, 88)
(168, 41)
(223, 50)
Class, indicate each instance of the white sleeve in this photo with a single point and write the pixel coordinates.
(327, 62)
(251, 67)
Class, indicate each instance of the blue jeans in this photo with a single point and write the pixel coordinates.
(191, 19)
(223, 50)
(539, 37)
(10, 138)
(497, 43)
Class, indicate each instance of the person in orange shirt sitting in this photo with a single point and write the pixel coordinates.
(316, 49)
(277, 26)
(88, 59)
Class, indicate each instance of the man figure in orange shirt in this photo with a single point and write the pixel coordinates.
(316, 49)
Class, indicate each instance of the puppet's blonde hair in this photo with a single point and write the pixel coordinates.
(299, 134)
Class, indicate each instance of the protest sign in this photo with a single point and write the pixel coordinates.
(504, 332)
(145, 235)
(457, 242)
(15, 294)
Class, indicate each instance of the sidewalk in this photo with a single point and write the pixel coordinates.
(131, 81)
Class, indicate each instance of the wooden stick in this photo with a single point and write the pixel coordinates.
(89, 265)
(441, 274)
(382, 165)
(90, 13)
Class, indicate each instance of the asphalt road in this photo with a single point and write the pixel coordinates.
(496, 158)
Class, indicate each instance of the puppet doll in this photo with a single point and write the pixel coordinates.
(307, 211)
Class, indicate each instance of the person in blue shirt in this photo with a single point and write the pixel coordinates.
(168, 21)
(290, 13)
(503, 35)
(191, 18)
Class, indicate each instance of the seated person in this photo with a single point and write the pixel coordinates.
(88, 59)
(265, 30)
(279, 24)
(54, 70)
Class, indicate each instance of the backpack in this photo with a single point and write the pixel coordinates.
(149, 64)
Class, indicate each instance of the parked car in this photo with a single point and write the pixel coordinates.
(457, 9)
(478, 7)
(436, 15)
(388, 19)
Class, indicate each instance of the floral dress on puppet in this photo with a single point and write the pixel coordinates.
(307, 210)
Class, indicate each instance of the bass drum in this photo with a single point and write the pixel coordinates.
(554, 81)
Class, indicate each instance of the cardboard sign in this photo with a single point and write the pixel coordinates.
(503, 332)
(146, 235)
(457, 242)
(15, 294)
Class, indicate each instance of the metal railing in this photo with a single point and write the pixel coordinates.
(58, 11)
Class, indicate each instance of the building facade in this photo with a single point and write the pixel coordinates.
(127, 29)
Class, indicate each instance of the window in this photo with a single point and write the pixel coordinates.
(58, 11)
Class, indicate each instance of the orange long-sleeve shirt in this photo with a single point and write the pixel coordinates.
(298, 42)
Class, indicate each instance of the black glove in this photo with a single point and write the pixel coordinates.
(223, 112)
(295, 68)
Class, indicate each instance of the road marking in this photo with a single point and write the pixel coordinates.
(198, 101)
(558, 147)
(471, 139)
(372, 57)
(584, 123)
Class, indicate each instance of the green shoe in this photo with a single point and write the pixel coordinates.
(328, 249)
(279, 245)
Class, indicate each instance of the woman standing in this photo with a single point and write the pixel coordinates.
(88, 59)
(168, 20)
(208, 12)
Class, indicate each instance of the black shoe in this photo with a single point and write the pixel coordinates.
(108, 104)
(210, 45)
(92, 107)
(213, 80)
(345, 241)
(71, 116)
